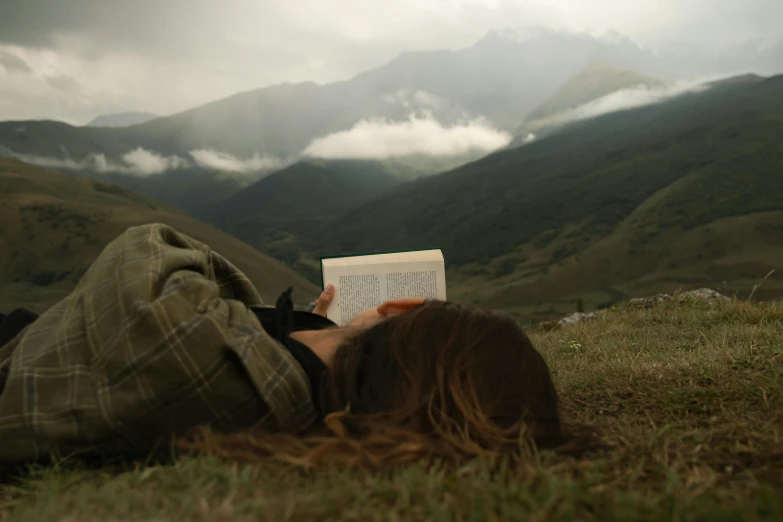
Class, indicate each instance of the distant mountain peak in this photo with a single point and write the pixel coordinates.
(519, 34)
(122, 119)
(748, 78)
(529, 33)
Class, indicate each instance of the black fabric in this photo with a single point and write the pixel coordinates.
(13, 323)
(280, 321)
(10, 326)
(284, 315)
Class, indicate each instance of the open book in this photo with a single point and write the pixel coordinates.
(367, 280)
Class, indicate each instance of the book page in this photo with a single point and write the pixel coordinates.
(388, 257)
(361, 287)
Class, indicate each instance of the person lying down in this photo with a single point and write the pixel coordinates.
(163, 340)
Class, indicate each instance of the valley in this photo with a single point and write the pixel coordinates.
(667, 196)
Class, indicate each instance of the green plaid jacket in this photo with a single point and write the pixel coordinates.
(156, 338)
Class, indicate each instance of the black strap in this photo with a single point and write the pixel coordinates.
(284, 316)
(13, 323)
(280, 321)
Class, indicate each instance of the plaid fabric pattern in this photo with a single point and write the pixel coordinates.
(156, 338)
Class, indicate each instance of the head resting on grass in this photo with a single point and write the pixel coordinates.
(439, 380)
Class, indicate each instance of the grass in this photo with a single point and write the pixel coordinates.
(687, 399)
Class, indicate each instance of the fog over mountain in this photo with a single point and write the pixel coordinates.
(72, 61)
(122, 119)
(460, 78)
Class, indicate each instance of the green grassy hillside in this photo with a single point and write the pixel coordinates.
(55, 225)
(202, 192)
(193, 190)
(686, 192)
(296, 200)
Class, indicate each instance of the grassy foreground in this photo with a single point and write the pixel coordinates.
(687, 398)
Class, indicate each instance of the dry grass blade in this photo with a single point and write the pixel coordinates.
(758, 285)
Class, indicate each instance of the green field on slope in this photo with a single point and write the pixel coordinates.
(55, 225)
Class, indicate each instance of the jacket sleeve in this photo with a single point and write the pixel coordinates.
(156, 338)
(192, 306)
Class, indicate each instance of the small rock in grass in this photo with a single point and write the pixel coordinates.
(706, 295)
(576, 317)
(649, 302)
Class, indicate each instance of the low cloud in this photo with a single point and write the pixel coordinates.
(139, 162)
(143, 162)
(48, 161)
(529, 138)
(13, 63)
(625, 99)
(225, 162)
(379, 139)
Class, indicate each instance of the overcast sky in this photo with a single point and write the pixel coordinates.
(75, 59)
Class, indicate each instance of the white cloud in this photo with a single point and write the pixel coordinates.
(145, 162)
(384, 139)
(225, 162)
(139, 162)
(67, 86)
(622, 100)
(54, 163)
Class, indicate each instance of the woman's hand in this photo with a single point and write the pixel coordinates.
(324, 301)
(324, 343)
(375, 315)
(370, 316)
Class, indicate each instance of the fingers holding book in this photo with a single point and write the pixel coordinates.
(398, 306)
(324, 301)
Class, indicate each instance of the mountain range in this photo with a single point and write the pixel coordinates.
(502, 78)
(685, 191)
(452, 106)
(613, 171)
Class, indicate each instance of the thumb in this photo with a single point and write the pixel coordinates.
(324, 301)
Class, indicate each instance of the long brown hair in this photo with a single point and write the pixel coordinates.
(442, 380)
